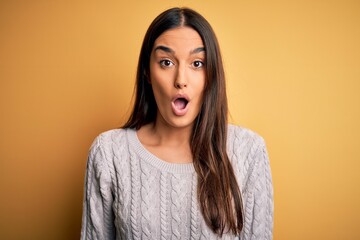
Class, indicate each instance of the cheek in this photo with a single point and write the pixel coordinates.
(161, 79)
(200, 88)
(160, 82)
(199, 83)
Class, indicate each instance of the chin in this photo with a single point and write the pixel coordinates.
(180, 122)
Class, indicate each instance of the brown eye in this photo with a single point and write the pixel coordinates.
(197, 64)
(166, 63)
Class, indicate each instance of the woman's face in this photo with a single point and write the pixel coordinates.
(177, 76)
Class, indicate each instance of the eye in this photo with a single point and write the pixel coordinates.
(197, 64)
(166, 63)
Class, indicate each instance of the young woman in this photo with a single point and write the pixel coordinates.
(177, 169)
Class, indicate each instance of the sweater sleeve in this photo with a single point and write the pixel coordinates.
(259, 198)
(98, 217)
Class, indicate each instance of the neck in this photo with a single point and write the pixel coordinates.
(169, 143)
(169, 135)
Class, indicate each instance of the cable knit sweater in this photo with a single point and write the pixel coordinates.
(132, 194)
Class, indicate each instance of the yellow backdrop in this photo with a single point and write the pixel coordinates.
(67, 70)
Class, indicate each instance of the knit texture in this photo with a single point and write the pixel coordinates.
(131, 194)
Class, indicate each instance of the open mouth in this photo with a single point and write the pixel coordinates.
(180, 103)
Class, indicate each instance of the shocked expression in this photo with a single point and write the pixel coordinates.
(177, 76)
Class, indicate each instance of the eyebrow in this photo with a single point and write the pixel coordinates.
(198, 50)
(169, 50)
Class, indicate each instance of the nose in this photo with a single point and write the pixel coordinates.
(180, 81)
(180, 85)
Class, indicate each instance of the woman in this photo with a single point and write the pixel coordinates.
(176, 169)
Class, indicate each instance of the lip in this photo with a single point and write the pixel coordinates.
(180, 112)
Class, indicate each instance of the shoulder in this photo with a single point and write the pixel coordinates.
(245, 149)
(109, 138)
(243, 138)
(108, 144)
(108, 149)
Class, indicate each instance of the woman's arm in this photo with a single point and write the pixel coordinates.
(259, 197)
(98, 217)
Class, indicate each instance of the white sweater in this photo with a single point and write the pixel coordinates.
(132, 194)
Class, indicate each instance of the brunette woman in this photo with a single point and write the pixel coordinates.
(177, 169)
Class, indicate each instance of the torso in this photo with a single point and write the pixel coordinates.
(155, 198)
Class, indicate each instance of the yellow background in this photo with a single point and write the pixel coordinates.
(67, 71)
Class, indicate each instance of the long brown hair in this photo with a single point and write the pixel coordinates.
(218, 192)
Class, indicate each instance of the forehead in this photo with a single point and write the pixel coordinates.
(180, 37)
